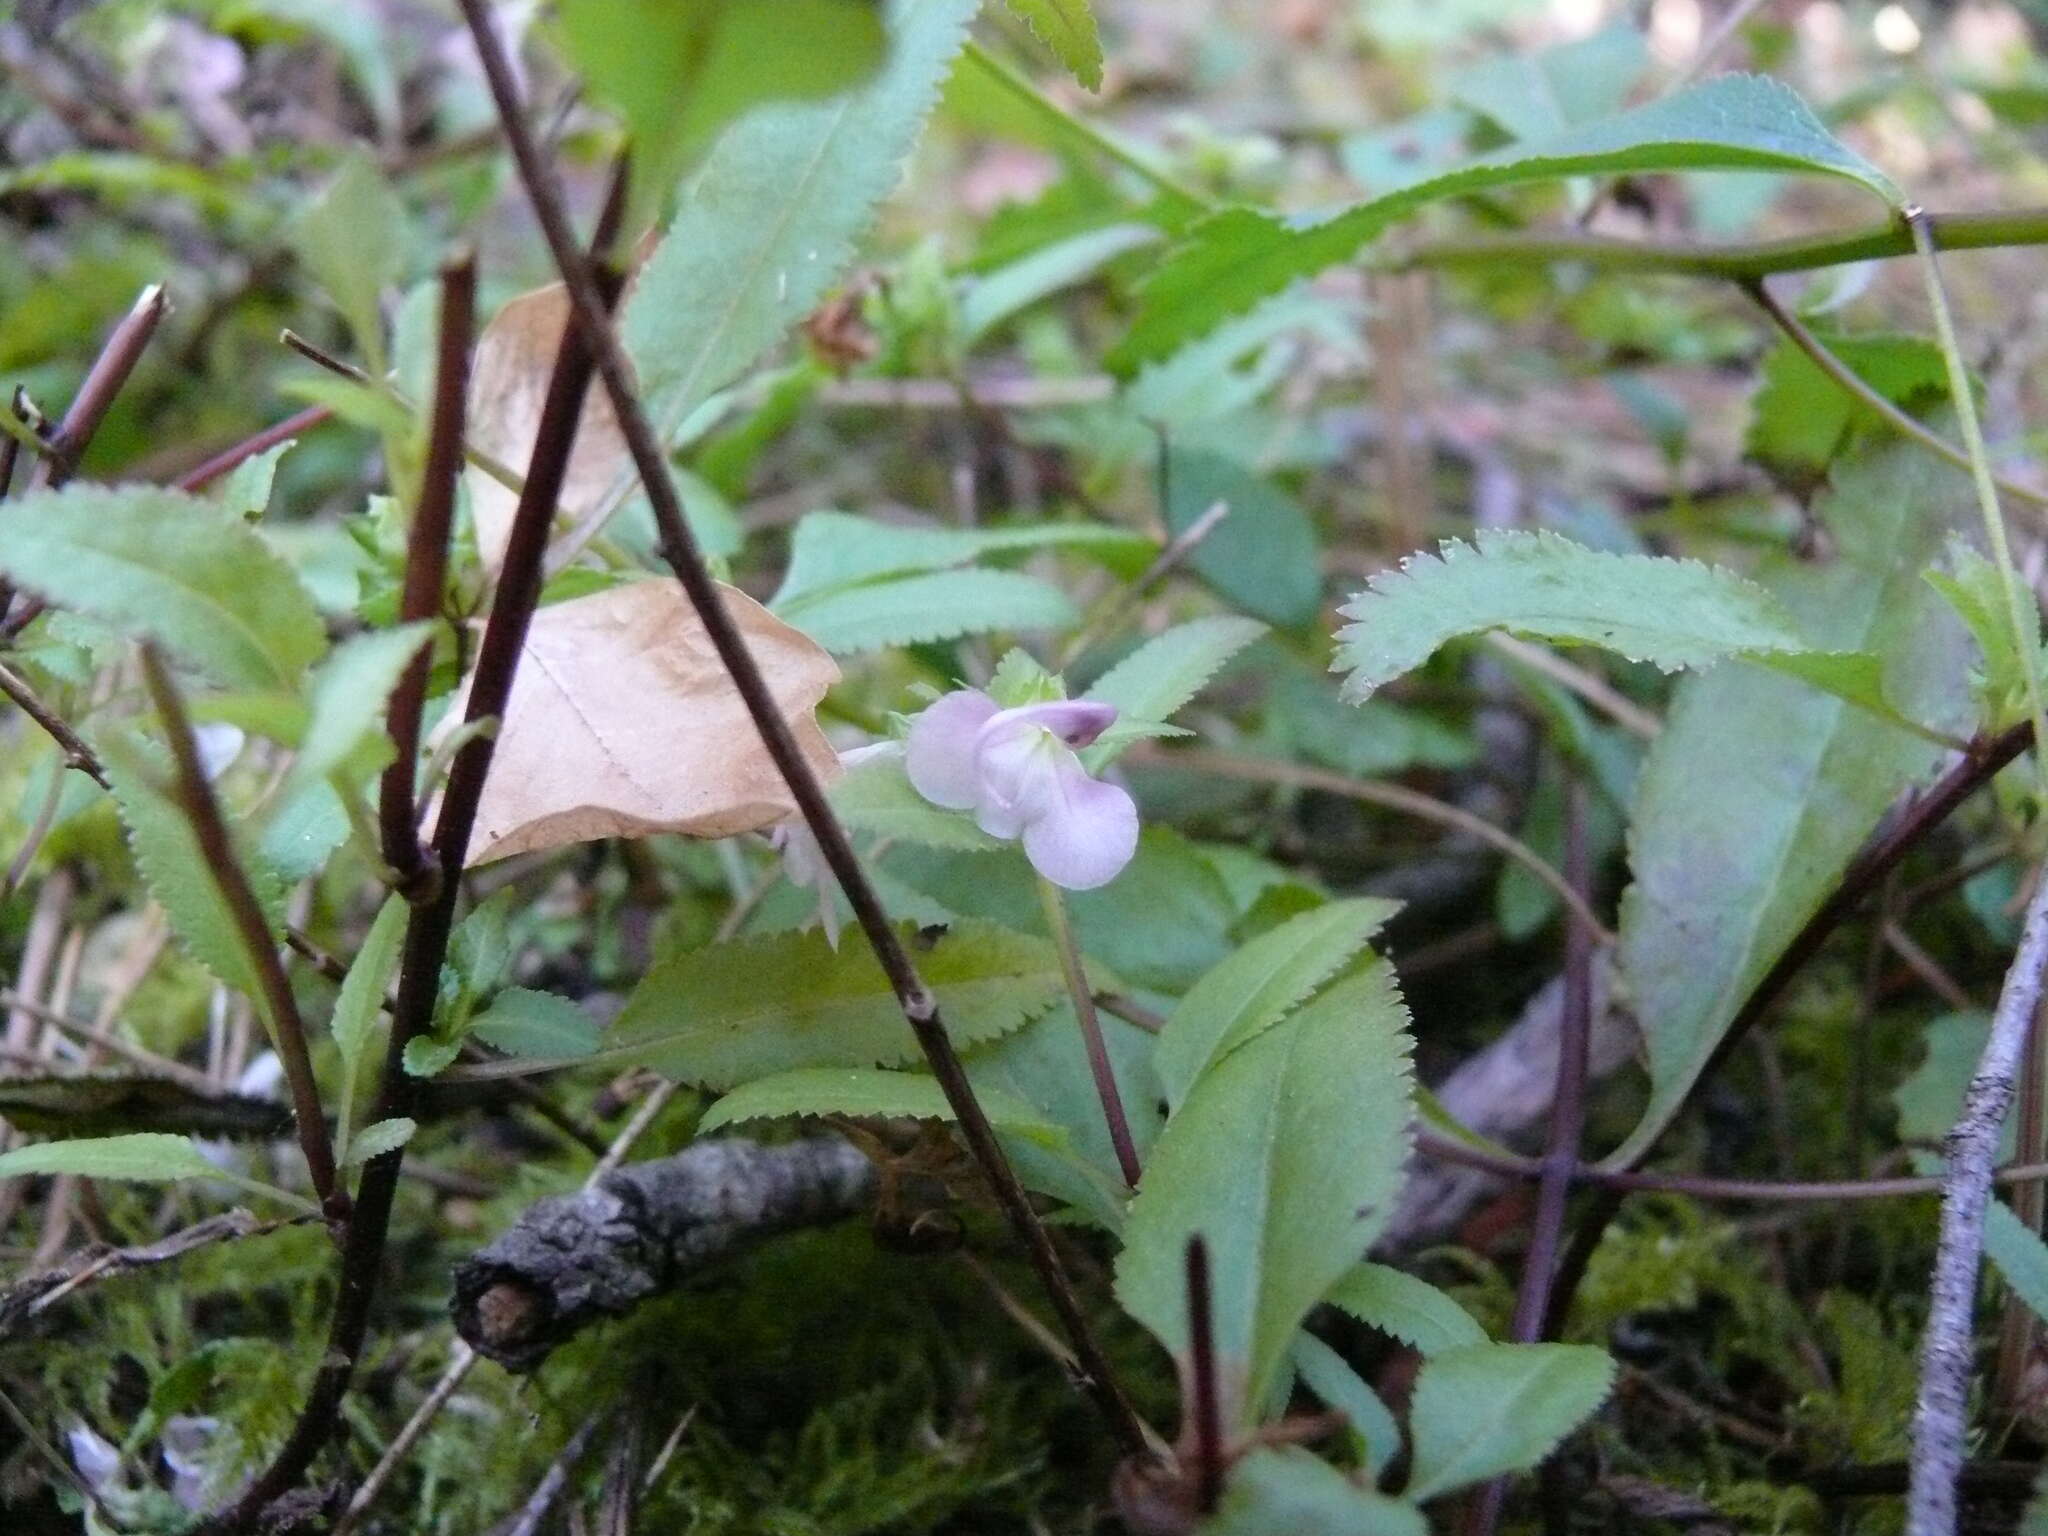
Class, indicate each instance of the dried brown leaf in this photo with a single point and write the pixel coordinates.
(623, 722)
(509, 381)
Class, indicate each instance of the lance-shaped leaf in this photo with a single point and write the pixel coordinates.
(1291, 1490)
(1484, 1409)
(1759, 790)
(623, 722)
(1286, 1157)
(174, 867)
(1730, 123)
(1674, 613)
(184, 571)
(737, 267)
(1067, 27)
(679, 72)
(1154, 681)
(1258, 984)
(1412, 1310)
(730, 1013)
(147, 1157)
(866, 1091)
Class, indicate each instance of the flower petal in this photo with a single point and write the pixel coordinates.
(939, 756)
(1077, 722)
(1085, 832)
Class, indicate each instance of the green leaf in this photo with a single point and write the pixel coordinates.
(1674, 613)
(1485, 1409)
(1330, 1377)
(1535, 96)
(157, 562)
(377, 1138)
(876, 797)
(354, 1020)
(1263, 555)
(1009, 290)
(865, 1091)
(345, 729)
(1067, 27)
(430, 1055)
(1801, 419)
(730, 1013)
(1256, 987)
(1271, 1491)
(2019, 1253)
(1233, 259)
(1975, 589)
(523, 1022)
(1412, 1310)
(1154, 681)
(351, 239)
(738, 268)
(1045, 1065)
(1759, 791)
(173, 866)
(144, 1158)
(1286, 1156)
(94, 1104)
(834, 550)
(941, 606)
(245, 490)
(678, 73)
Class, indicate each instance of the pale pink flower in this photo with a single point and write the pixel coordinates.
(1015, 769)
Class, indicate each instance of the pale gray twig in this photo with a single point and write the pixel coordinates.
(1947, 1352)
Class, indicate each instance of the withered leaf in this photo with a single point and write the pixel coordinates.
(119, 1104)
(623, 722)
(508, 383)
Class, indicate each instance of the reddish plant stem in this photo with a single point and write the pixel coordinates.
(679, 548)
(433, 920)
(1100, 1068)
(103, 381)
(426, 571)
(287, 1029)
(1205, 1414)
(63, 447)
(1560, 1163)
(203, 475)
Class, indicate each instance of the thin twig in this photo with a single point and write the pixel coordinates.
(1947, 1353)
(490, 464)
(1169, 559)
(1100, 1069)
(109, 372)
(1591, 687)
(1852, 383)
(204, 474)
(77, 754)
(542, 1499)
(1434, 1144)
(920, 1009)
(426, 571)
(1395, 797)
(459, 1364)
(259, 943)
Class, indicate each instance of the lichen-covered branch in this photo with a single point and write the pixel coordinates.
(573, 1260)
